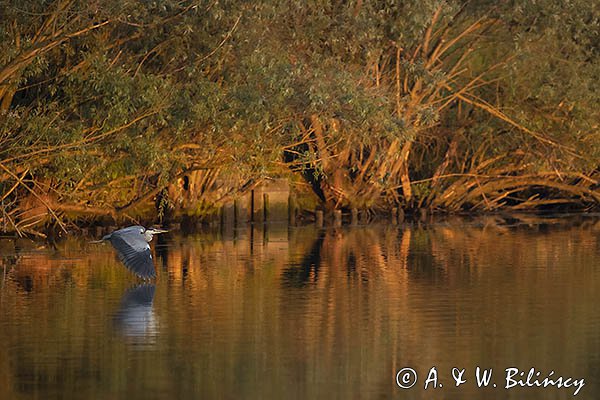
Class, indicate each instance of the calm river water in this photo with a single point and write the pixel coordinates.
(302, 313)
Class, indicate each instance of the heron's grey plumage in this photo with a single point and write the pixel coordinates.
(133, 248)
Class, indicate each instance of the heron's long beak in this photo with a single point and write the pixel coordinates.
(155, 231)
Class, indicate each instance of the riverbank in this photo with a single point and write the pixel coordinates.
(185, 112)
(231, 228)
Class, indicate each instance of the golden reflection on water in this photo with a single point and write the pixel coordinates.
(303, 313)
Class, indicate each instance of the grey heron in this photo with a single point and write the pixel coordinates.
(133, 248)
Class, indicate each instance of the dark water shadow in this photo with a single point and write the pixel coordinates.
(135, 319)
(307, 271)
(162, 249)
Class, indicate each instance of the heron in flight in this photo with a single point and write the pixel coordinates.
(133, 247)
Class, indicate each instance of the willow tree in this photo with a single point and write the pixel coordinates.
(430, 103)
(532, 139)
(104, 104)
(366, 83)
(443, 104)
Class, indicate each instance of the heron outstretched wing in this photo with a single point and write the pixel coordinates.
(134, 251)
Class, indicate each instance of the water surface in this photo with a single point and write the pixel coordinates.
(303, 313)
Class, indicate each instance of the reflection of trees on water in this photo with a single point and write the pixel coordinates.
(319, 312)
(307, 271)
(162, 251)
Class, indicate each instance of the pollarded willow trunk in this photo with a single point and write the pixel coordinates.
(347, 174)
(424, 82)
(432, 83)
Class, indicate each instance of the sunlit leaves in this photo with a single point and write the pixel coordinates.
(168, 85)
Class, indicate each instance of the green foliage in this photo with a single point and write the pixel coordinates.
(146, 90)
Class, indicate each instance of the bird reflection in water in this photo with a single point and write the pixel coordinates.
(135, 319)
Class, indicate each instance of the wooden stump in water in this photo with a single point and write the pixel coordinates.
(258, 212)
(423, 214)
(354, 216)
(214, 220)
(363, 217)
(228, 214)
(400, 215)
(292, 211)
(337, 218)
(243, 209)
(319, 218)
(265, 206)
(275, 200)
